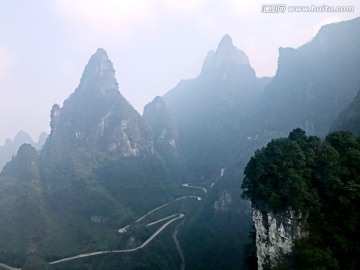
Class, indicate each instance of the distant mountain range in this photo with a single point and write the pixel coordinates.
(10, 148)
(106, 174)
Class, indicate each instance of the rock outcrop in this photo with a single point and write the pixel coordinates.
(275, 233)
(165, 131)
(224, 201)
(165, 137)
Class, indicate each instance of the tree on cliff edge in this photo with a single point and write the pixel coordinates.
(320, 177)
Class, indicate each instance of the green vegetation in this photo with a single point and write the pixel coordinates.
(320, 177)
(280, 173)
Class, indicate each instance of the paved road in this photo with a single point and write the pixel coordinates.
(202, 188)
(85, 255)
(160, 220)
(8, 267)
(178, 247)
(166, 204)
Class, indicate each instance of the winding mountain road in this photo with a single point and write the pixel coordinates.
(85, 255)
(222, 170)
(166, 204)
(122, 230)
(160, 220)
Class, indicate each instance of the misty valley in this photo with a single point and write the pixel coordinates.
(225, 171)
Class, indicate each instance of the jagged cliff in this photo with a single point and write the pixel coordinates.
(97, 170)
(156, 114)
(276, 232)
(165, 137)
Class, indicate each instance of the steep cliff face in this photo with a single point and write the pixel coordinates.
(165, 132)
(165, 137)
(275, 233)
(224, 201)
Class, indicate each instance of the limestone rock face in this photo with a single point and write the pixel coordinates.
(165, 131)
(165, 137)
(224, 201)
(275, 233)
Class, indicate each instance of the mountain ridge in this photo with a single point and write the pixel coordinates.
(104, 165)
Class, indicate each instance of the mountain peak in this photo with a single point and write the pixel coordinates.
(226, 53)
(22, 137)
(99, 74)
(100, 57)
(101, 52)
(226, 42)
(97, 118)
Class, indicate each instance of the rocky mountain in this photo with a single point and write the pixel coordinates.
(10, 148)
(97, 170)
(108, 179)
(313, 83)
(99, 142)
(211, 111)
(96, 117)
(312, 86)
(349, 119)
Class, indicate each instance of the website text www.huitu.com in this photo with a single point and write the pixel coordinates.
(282, 8)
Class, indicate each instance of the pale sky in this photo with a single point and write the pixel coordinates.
(45, 45)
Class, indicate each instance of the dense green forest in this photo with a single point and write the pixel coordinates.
(320, 177)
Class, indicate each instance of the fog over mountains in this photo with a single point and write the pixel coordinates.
(113, 189)
(10, 147)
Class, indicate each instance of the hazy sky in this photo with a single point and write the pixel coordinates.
(45, 45)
